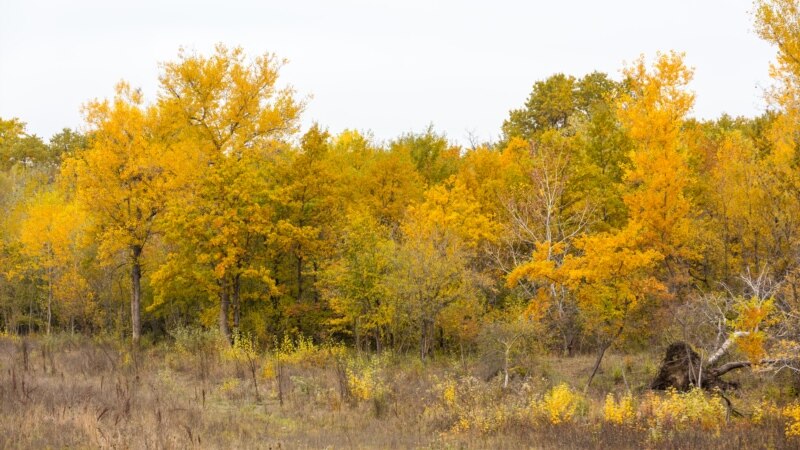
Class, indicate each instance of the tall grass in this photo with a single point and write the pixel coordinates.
(195, 392)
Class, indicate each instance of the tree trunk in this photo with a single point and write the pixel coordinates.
(423, 343)
(426, 339)
(725, 346)
(602, 352)
(506, 358)
(299, 278)
(49, 300)
(224, 329)
(237, 308)
(357, 333)
(136, 293)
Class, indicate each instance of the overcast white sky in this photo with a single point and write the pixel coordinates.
(388, 67)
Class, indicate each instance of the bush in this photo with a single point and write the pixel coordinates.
(620, 413)
(560, 404)
(793, 413)
(678, 411)
(467, 404)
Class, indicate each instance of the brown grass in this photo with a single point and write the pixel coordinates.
(81, 393)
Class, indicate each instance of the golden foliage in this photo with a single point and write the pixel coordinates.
(559, 405)
(620, 413)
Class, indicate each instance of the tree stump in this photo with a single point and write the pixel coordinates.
(682, 370)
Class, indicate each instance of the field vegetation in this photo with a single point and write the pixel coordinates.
(197, 392)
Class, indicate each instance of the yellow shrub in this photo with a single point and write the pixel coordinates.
(765, 409)
(303, 351)
(619, 413)
(244, 348)
(269, 370)
(468, 404)
(559, 404)
(365, 383)
(793, 413)
(680, 410)
(449, 393)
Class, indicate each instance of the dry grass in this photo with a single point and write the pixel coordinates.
(75, 392)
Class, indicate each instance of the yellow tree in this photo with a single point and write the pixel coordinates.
(752, 216)
(215, 228)
(308, 203)
(388, 184)
(778, 22)
(51, 239)
(652, 113)
(434, 267)
(547, 206)
(609, 275)
(123, 180)
(230, 116)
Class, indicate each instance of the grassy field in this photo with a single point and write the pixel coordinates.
(64, 391)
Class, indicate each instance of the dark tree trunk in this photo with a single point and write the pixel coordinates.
(224, 300)
(600, 354)
(136, 293)
(357, 334)
(426, 339)
(299, 278)
(49, 300)
(237, 306)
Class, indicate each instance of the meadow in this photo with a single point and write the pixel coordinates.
(76, 392)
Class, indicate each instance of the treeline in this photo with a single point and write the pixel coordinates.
(604, 216)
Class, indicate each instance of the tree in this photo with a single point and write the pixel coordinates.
(554, 103)
(123, 180)
(216, 229)
(659, 178)
(387, 185)
(19, 147)
(232, 119)
(66, 143)
(51, 239)
(433, 267)
(778, 22)
(609, 276)
(307, 203)
(355, 283)
(226, 104)
(548, 206)
(434, 157)
(549, 106)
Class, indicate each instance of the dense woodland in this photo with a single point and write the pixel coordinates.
(604, 217)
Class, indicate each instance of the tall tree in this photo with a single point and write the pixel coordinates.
(232, 118)
(123, 179)
(355, 283)
(434, 264)
(659, 176)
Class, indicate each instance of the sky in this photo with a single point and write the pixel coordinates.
(379, 66)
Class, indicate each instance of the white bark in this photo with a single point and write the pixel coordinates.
(725, 346)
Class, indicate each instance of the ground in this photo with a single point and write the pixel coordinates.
(72, 391)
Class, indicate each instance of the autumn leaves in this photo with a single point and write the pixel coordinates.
(603, 202)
